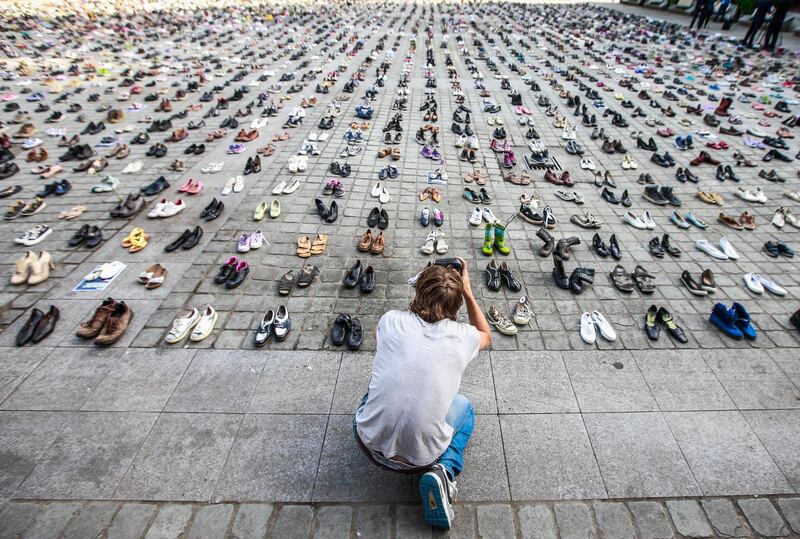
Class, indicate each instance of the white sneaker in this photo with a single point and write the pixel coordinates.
(489, 217)
(205, 325)
(312, 136)
(376, 190)
(794, 195)
(293, 163)
(605, 327)
(182, 326)
(476, 217)
(322, 137)
(384, 196)
(753, 283)
(758, 284)
(133, 168)
(34, 235)
(30, 143)
(522, 312)
(633, 220)
(727, 248)
(157, 208)
(588, 333)
(709, 249)
(171, 208)
(256, 240)
(438, 493)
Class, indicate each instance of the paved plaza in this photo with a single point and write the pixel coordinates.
(219, 438)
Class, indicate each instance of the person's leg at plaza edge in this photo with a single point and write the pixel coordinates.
(755, 24)
(461, 417)
(695, 14)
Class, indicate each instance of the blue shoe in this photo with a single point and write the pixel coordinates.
(743, 321)
(438, 493)
(725, 320)
(680, 143)
(696, 221)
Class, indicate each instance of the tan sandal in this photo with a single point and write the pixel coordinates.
(304, 247)
(383, 152)
(319, 244)
(395, 153)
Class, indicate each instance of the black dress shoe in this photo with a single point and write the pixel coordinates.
(374, 217)
(368, 280)
(339, 329)
(353, 275)
(178, 242)
(333, 213)
(599, 246)
(79, 236)
(383, 220)
(609, 196)
(322, 209)
(626, 199)
(650, 323)
(613, 247)
(207, 210)
(656, 249)
(215, 211)
(559, 276)
(27, 330)
(46, 325)
(665, 319)
(355, 334)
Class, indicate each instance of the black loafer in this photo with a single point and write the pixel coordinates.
(353, 276)
(355, 334)
(25, 333)
(368, 280)
(339, 329)
(80, 236)
(178, 242)
(374, 217)
(93, 237)
(193, 239)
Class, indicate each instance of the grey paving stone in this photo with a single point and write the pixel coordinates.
(779, 431)
(181, 459)
(274, 458)
(93, 519)
(463, 526)
(131, 521)
(83, 462)
(651, 519)
(333, 521)
(15, 517)
(51, 520)
(608, 382)
(218, 381)
(170, 522)
(689, 519)
(409, 523)
(574, 521)
(14, 372)
(26, 437)
(763, 517)
(251, 521)
(638, 456)
(537, 521)
(532, 382)
(352, 382)
(754, 381)
(296, 382)
(724, 454)
(681, 380)
(495, 521)
(484, 477)
(478, 386)
(613, 520)
(294, 521)
(211, 521)
(723, 516)
(141, 380)
(372, 521)
(346, 474)
(565, 466)
(63, 381)
(790, 508)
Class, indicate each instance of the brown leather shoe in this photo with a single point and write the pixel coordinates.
(130, 206)
(378, 245)
(116, 325)
(748, 221)
(366, 242)
(46, 325)
(92, 327)
(727, 220)
(25, 131)
(551, 177)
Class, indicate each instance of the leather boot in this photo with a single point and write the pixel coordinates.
(549, 243)
(559, 275)
(580, 276)
(563, 245)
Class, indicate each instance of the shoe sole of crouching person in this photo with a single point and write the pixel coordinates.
(436, 502)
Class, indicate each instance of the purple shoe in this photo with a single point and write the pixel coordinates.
(244, 243)
(438, 217)
(236, 148)
(426, 152)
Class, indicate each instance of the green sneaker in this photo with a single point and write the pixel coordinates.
(500, 240)
(487, 241)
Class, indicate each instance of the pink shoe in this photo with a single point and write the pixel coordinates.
(518, 110)
(185, 187)
(525, 110)
(195, 186)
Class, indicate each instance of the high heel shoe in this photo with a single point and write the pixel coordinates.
(40, 268)
(22, 269)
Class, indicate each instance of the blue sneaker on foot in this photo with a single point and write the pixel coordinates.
(438, 493)
(725, 320)
(743, 321)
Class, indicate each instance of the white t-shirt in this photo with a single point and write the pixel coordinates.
(415, 377)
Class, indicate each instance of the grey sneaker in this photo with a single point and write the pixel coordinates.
(438, 494)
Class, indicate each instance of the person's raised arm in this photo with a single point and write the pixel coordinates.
(476, 316)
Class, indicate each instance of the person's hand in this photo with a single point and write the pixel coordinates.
(465, 276)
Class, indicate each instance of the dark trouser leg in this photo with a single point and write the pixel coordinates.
(752, 31)
(694, 17)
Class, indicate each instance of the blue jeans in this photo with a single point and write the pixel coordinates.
(461, 417)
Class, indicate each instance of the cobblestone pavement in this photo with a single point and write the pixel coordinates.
(653, 519)
(218, 438)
